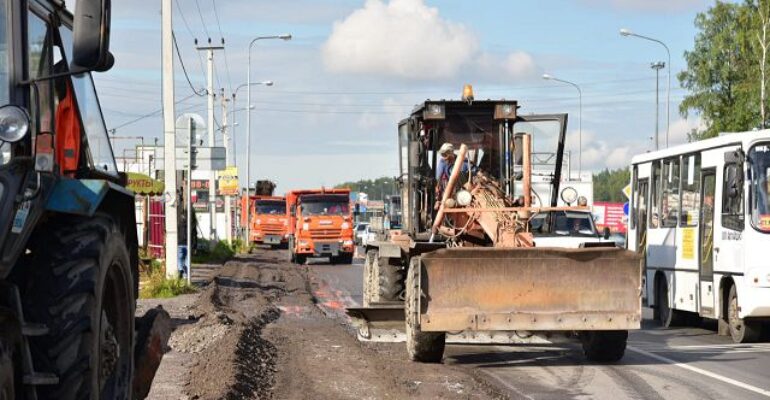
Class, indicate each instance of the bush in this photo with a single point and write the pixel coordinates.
(159, 286)
(221, 253)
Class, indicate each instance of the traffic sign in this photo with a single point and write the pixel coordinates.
(204, 158)
(625, 208)
(627, 191)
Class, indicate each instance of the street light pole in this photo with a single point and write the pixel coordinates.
(657, 67)
(626, 32)
(248, 130)
(580, 119)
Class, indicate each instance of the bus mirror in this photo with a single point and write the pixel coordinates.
(91, 35)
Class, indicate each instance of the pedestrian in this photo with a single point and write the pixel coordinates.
(182, 266)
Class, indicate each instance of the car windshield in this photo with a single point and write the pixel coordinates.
(361, 227)
(759, 159)
(326, 205)
(565, 223)
(271, 207)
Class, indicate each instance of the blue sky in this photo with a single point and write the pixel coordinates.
(355, 68)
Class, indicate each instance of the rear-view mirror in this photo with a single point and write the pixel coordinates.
(91, 35)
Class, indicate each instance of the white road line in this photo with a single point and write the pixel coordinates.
(709, 374)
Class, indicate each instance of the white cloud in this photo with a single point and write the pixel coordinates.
(648, 5)
(408, 39)
(679, 130)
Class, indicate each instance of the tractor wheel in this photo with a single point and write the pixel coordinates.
(741, 331)
(422, 346)
(81, 287)
(369, 278)
(7, 375)
(604, 346)
(391, 280)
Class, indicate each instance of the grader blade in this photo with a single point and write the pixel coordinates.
(530, 289)
(383, 323)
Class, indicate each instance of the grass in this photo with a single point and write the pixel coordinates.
(220, 253)
(157, 285)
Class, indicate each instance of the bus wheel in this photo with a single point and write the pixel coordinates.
(667, 315)
(741, 331)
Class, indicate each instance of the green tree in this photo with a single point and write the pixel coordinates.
(375, 188)
(608, 185)
(725, 72)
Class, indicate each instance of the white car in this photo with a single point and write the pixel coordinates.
(567, 229)
(360, 232)
(369, 236)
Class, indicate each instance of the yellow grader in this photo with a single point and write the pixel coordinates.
(481, 257)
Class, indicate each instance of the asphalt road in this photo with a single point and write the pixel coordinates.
(682, 363)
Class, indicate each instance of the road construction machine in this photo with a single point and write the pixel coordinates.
(320, 225)
(68, 245)
(479, 258)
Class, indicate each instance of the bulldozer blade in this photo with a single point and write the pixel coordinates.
(530, 289)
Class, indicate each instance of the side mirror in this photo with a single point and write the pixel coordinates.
(91, 35)
(606, 232)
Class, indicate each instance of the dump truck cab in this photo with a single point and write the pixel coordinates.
(269, 221)
(320, 225)
(476, 259)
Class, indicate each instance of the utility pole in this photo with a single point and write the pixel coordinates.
(657, 66)
(228, 163)
(212, 175)
(169, 127)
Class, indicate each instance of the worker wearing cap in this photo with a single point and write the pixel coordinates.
(445, 163)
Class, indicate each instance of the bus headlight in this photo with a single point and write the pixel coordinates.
(14, 123)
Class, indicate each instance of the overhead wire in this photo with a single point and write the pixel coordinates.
(148, 115)
(224, 50)
(192, 35)
(184, 69)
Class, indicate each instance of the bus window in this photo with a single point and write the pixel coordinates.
(670, 193)
(732, 198)
(760, 186)
(654, 198)
(634, 196)
(690, 189)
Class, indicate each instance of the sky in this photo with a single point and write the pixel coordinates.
(355, 68)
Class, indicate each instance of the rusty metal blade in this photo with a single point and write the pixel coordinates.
(534, 289)
(379, 323)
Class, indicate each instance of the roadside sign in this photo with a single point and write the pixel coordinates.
(204, 158)
(625, 208)
(627, 191)
(228, 181)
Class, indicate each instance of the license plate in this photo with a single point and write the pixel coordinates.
(272, 239)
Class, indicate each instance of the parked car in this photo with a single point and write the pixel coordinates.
(359, 232)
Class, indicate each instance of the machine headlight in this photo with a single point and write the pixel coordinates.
(305, 226)
(569, 195)
(259, 221)
(14, 123)
(345, 225)
(433, 111)
(505, 111)
(464, 198)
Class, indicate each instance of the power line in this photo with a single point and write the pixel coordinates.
(145, 116)
(192, 35)
(227, 64)
(203, 22)
(179, 55)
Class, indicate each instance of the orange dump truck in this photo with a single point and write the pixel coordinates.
(320, 225)
(269, 220)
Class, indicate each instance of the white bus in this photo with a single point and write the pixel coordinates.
(700, 212)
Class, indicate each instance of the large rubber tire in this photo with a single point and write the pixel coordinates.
(300, 259)
(667, 316)
(391, 280)
(741, 331)
(7, 375)
(369, 288)
(345, 259)
(604, 346)
(81, 287)
(421, 346)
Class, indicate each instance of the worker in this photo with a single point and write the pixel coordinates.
(446, 162)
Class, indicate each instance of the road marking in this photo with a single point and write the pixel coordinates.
(709, 374)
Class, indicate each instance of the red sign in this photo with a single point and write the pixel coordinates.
(610, 215)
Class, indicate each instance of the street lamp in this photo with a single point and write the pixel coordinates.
(248, 126)
(580, 118)
(657, 66)
(626, 32)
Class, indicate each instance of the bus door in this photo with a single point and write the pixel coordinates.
(641, 216)
(706, 243)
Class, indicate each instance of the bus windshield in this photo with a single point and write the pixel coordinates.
(759, 158)
(271, 207)
(326, 205)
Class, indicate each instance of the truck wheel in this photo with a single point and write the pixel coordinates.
(604, 346)
(300, 259)
(422, 346)
(667, 316)
(81, 287)
(391, 280)
(7, 375)
(741, 331)
(369, 278)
